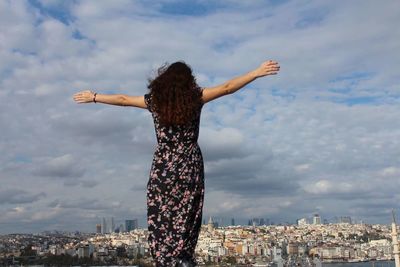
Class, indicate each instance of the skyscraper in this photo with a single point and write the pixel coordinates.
(210, 225)
(131, 225)
(345, 219)
(98, 228)
(258, 221)
(316, 219)
(112, 225)
(107, 225)
(104, 226)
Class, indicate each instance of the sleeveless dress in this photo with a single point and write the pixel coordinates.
(175, 191)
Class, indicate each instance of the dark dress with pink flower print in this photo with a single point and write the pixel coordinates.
(175, 191)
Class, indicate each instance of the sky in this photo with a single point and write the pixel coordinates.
(322, 136)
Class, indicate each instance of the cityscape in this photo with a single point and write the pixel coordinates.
(310, 242)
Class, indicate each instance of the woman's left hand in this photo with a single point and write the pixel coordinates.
(84, 96)
(270, 67)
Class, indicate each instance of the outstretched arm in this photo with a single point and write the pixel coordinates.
(88, 96)
(269, 67)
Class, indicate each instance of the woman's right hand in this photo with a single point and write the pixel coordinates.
(84, 96)
(269, 67)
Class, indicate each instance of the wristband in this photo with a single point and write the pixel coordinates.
(94, 97)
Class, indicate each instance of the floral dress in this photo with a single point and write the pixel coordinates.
(175, 191)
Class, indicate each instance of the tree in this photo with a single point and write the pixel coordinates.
(231, 259)
(28, 251)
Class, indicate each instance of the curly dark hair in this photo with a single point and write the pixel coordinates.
(176, 97)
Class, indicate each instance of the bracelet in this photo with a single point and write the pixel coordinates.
(94, 97)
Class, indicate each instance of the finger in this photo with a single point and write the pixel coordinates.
(272, 64)
(271, 72)
(78, 94)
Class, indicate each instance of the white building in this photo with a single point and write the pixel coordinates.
(316, 219)
(302, 221)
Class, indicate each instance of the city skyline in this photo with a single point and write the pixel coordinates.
(110, 224)
(319, 243)
(320, 137)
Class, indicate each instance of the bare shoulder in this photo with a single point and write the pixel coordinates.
(135, 101)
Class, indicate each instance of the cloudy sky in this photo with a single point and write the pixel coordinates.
(322, 136)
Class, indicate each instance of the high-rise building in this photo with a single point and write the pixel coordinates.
(104, 226)
(112, 225)
(85, 251)
(233, 221)
(98, 228)
(255, 222)
(316, 219)
(345, 219)
(107, 225)
(131, 225)
(210, 225)
(258, 221)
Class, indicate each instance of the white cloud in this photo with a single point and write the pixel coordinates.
(285, 146)
(391, 171)
(328, 187)
(302, 167)
(64, 166)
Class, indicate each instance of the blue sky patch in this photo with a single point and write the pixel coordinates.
(189, 8)
(340, 90)
(311, 17)
(360, 100)
(57, 12)
(353, 76)
(77, 35)
(284, 94)
(352, 101)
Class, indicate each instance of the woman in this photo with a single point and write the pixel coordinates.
(175, 190)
